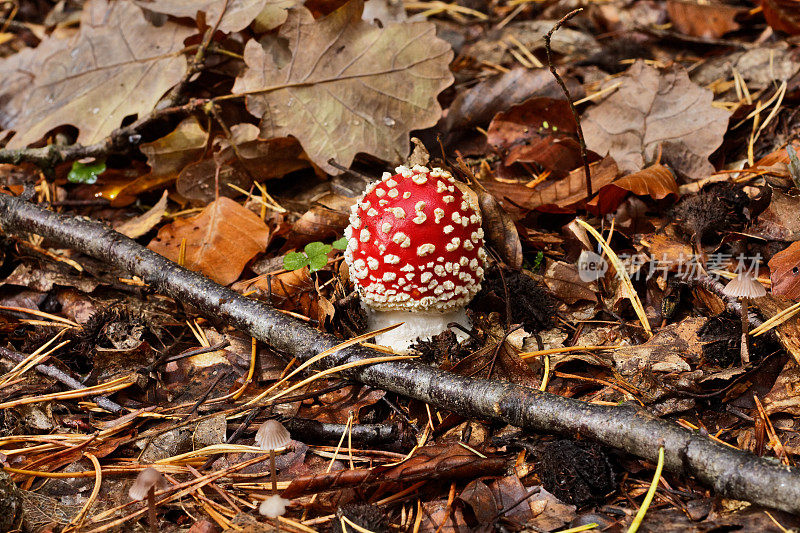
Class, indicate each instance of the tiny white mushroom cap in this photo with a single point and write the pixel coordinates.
(146, 480)
(273, 507)
(271, 435)
(744, 286)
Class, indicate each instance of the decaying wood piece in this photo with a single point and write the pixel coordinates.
(732, 473)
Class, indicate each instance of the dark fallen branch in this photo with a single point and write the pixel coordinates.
(120, 141)
(732, 473)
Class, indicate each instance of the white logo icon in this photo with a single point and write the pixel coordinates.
(591, 266)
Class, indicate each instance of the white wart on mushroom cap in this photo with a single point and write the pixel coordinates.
(415, 243)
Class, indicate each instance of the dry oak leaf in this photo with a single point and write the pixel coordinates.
(117, 65)
(236, 14)
(656, 108)
(349, 87)
(784, 270)
(219, 241)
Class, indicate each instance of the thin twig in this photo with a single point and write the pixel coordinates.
(581, 141)
(120, 140)
(62, 377)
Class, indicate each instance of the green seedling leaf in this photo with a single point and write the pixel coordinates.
(295, 260)
(86, 172)
(317, 248)
(340, 244)
(317, 262)
(537, 261)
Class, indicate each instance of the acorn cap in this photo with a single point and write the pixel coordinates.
(271, 435)
(415, 242)
(146, 480)
(273, 507)
(744, 286)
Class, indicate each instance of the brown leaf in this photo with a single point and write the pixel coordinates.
(653, 109)
(168, 155)
(563, 194)
(667, 251)
(703, 20)
(501, 232)
(566, 284)
(476, 106)
(205, 180)
(291, 290)
(785, 272)
(219, 241)
(237, 15)
(252, 159)
(118, 65)
(138, 226)
(539, 130)
(274, 14)
(350, 86)
(655, 181)
(782, 15)
(429, 463)
(326, 219)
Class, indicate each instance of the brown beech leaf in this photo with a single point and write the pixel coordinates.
(349, 87)
(782, 15)
(168, 155)
(539, 130)
(219, 241)
(501, 232)
(703, 20)
(655, 181)
(555, 196)
(117, 65)
(656, 108)
(785, 272)
(477, 105)
(326, 219)
(238, 13)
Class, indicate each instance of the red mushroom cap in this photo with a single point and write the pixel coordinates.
(415, 242)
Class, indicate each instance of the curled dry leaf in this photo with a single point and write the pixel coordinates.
(785, 272)
(655, 181)
(703, 20)
(655, 108)
(325, 220)
(236, 16)
(539, 130)
(138, 226)
(118, 65)
(501, 233)
(554, 196)
(166, 156)
(219, 241)
(293, 289)
(349, 87)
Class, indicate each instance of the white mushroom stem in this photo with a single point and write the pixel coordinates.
(416, 324)
(745, 350)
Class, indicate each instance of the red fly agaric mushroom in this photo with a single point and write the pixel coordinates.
(415, 252)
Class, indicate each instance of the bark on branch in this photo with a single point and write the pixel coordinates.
(732, 473)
